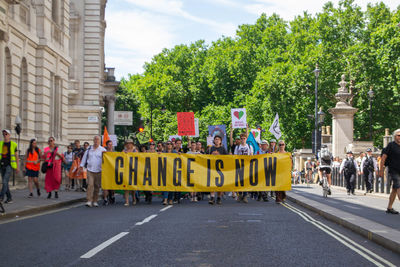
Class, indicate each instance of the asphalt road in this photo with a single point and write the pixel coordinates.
(189, 234)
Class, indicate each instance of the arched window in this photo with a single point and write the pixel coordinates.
(23, 95)
(7, 86)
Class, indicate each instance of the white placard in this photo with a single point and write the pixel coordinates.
(123, 118)
(196, 125)
(239, 118)
(257, 135)
(93, 119)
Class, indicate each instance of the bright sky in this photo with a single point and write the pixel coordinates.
(139, 29)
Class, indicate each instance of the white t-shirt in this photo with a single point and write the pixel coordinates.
(243, 150)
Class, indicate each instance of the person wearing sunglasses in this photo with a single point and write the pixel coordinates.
(9, 161)
(391, 159)
(280, 195)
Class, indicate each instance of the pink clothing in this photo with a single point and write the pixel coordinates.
(52, 179)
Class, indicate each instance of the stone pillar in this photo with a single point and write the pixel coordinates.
(110, 99)
(343, 121)
(387, 138)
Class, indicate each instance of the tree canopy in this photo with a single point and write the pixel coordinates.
(267, 68)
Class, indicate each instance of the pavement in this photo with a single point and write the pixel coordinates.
(22, 205)
(188, 234)
(363, 214)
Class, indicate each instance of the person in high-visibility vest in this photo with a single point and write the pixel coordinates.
(9, 161)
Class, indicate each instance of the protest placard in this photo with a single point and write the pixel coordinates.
(239, 118)
(186, 123)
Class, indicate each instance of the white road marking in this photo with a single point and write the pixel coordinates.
(147, 219)
(342, 239)
(164, 209)
(103, 245)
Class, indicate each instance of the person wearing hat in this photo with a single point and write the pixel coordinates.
(349, 167)
(326, 160)
(273, 148)
(369, 165)
(9, 161)
(217, 149)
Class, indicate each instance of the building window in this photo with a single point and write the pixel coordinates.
(24, 14)
(55, 10)
(23, 95)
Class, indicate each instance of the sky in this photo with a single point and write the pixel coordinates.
(139, 29)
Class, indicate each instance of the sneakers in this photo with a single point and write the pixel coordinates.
(211, 201)
(219, 202)
(30, 195)
(88, 204)
(105, 202)
(165, 201)
(95, 204)
(265, 199)
(392, 211)
(9, 201)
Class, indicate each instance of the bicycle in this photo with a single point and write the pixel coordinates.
(325, 187)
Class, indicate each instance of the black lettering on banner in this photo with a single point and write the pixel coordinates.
(189, 171)
(270, 171)
(147, 172)
(254, 172)
(162, 171)
(208, 172)
(133, 169)
(177, 177)
(119, 163)
(239, 173)
(219, 181)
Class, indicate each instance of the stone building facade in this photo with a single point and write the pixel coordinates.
(52, 70)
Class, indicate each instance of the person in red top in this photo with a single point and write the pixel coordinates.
(33, 156)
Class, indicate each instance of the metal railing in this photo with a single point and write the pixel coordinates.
(380, 185)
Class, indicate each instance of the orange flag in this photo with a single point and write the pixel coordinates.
(106, 137)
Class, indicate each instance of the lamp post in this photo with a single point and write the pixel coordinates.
(371, 96)
(321, 118)
(316, 73)
(18, 129)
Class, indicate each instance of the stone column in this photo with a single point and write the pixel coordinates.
(343, 121)
(110, 99)
(387, 138)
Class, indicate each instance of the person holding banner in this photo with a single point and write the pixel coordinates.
(264, 150)
(243, 149)
(168, 196)
(272, 146)
(129, 148)
(149, 194)
(194, 152)
(108, 195)
(217, 149)
(280, 195)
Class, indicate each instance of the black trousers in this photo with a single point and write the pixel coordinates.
(368, 179)
(350, 182)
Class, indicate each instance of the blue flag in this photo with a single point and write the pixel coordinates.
(252, 142)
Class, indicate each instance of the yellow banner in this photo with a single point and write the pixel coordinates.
(196, 173)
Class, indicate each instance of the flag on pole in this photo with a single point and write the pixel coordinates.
(106, 137)
(274, 129)
(251, 141)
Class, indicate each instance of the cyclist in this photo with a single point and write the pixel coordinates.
(325, 159)
(309, 166)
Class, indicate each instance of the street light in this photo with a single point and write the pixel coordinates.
(18, 129)
(316, 73)
(371, 96)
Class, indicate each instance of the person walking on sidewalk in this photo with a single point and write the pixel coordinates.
(53, 159)
(91, 161)
(350, 167)
(32, 166)
(391, 158)
(368, 167)
(69, 159)
(9, 161)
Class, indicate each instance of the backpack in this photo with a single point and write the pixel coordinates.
(325, 155)
(349, 167)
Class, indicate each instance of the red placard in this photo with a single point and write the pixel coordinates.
(186, 123)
